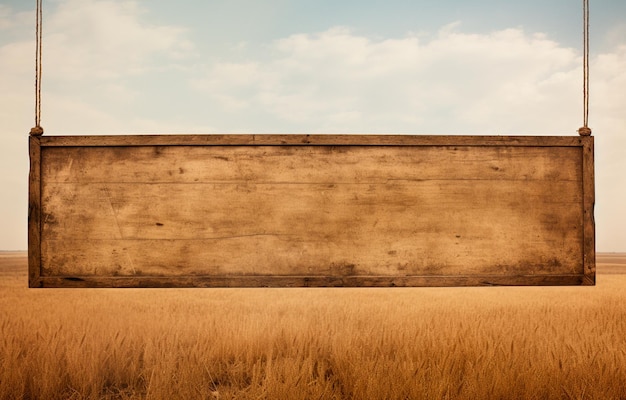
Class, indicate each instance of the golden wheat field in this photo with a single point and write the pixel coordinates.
(409, 343)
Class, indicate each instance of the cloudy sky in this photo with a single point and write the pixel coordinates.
(292, 66)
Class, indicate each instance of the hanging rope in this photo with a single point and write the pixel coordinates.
(585, 130)
(37, 130)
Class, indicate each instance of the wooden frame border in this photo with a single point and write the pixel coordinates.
(34, 212)
(35, 203)
(320, 140)
(589, 228)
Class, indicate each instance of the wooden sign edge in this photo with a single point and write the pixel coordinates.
(34, 213)
(35, 202)
(308, 140)
(589, 229)
(256, 281)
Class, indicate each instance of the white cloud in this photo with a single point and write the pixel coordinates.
(104, 39)
(608, 82)
(608, 120)
(92, 50)
(453, 83)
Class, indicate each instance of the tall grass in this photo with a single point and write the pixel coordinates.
(423, 343)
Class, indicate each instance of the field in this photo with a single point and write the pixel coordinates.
(409, 343)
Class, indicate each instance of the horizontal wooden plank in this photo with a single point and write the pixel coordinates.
(170, 211)
(320, 210)
(310, 164)
(310, 281)
(307, 140)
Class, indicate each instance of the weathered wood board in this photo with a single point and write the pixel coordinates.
(310, 210)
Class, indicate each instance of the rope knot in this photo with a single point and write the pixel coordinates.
(36, 131)
(584, 131)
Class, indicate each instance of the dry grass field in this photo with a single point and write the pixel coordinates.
(415, 343)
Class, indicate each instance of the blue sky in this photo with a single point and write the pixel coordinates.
(278, 66)
(266, 20)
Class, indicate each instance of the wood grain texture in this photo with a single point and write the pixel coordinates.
(302, 210)
(324, 140)
(589, 233)
(34, 211)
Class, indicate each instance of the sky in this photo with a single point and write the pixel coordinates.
(482, 67)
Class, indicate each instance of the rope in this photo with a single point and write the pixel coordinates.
(585, 130)
(38, 130)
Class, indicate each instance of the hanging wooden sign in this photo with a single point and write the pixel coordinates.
(310, 210)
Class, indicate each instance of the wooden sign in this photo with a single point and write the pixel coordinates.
(314, 210)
